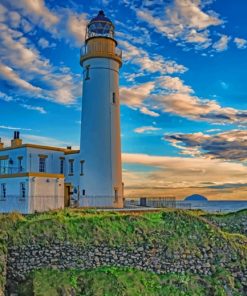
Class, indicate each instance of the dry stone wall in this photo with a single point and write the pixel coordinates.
(64, 255)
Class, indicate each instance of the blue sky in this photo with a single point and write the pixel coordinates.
(183, 87)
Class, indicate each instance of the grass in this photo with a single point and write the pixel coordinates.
(180, 231)
(124, 282)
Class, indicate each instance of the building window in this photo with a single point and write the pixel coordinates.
(114, 98)
(83, 192)
(71, 167)
(4, 165)
(87, 72)
(20, 168)
(22, 190)
(42, 164)
(62, 166)
(115, 194)
(82, 167)
(3, 191)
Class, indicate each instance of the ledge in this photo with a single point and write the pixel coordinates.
(32, 174)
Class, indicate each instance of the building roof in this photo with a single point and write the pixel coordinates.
(36, 146)
(100, 18)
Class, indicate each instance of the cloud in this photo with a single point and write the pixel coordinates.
(43, 140)
(185, 21)
(76, 27)
(174, 84)
(5, 97)
(146, 129)
(22, 63)
(43, 43)
(149, 112)
(37, 11)
(222, 43)
(134, 96)
(34, 108)
(14, 128)
(170, 94)
(182, 172)
(230, 145)
(149, 63)
(240, 43)
(9, 74)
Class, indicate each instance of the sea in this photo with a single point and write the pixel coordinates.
(215, 205)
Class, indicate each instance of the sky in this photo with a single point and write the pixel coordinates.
(182, 87)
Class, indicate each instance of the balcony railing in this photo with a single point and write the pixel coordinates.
(9, 170)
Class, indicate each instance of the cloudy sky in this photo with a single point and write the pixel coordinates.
(183, 87)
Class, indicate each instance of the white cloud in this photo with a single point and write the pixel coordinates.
(9, 74)
(170, 94)
(148, 63)
(20, 55)
(134, 96)
(174, 84)
(34, 108)
(149, 112)
(37, 11)
(222, 43)
(146, 129)
(44, 43)
(14, 128)
(181, 20)
(240, 43)
(5, 97)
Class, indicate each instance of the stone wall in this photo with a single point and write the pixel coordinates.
(23, 259)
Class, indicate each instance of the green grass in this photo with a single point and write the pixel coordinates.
(231, 222)
(180, 231)
(124, 282)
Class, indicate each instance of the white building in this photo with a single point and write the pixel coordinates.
(40, 178)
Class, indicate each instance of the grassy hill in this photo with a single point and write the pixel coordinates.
(187, 236)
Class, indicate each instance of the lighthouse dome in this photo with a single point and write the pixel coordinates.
(100, 26)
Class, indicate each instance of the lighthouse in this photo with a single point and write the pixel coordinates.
(100, 146)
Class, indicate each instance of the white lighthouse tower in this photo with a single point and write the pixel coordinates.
(100, 151)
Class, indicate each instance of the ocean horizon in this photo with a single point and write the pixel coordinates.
(216, 205)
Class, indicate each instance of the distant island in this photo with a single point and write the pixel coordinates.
(196, 197)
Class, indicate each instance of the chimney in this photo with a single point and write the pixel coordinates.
(16, 141)
(1, 144)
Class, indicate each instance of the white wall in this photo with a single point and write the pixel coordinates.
(13, 201)
(46, 194)
(100, 129)
(52, 160)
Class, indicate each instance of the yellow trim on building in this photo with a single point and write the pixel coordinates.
(32, 174)
(43, 156)
(4, 157)
(71, 152)
(65, 150)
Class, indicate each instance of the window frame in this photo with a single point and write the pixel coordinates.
(23, 189)
(82, 167)
(61, 165)
(3, 191)
(42, 167)
(87, 76)
(71, 167)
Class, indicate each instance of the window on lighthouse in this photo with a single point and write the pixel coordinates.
(114, 98)
(87, 72)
